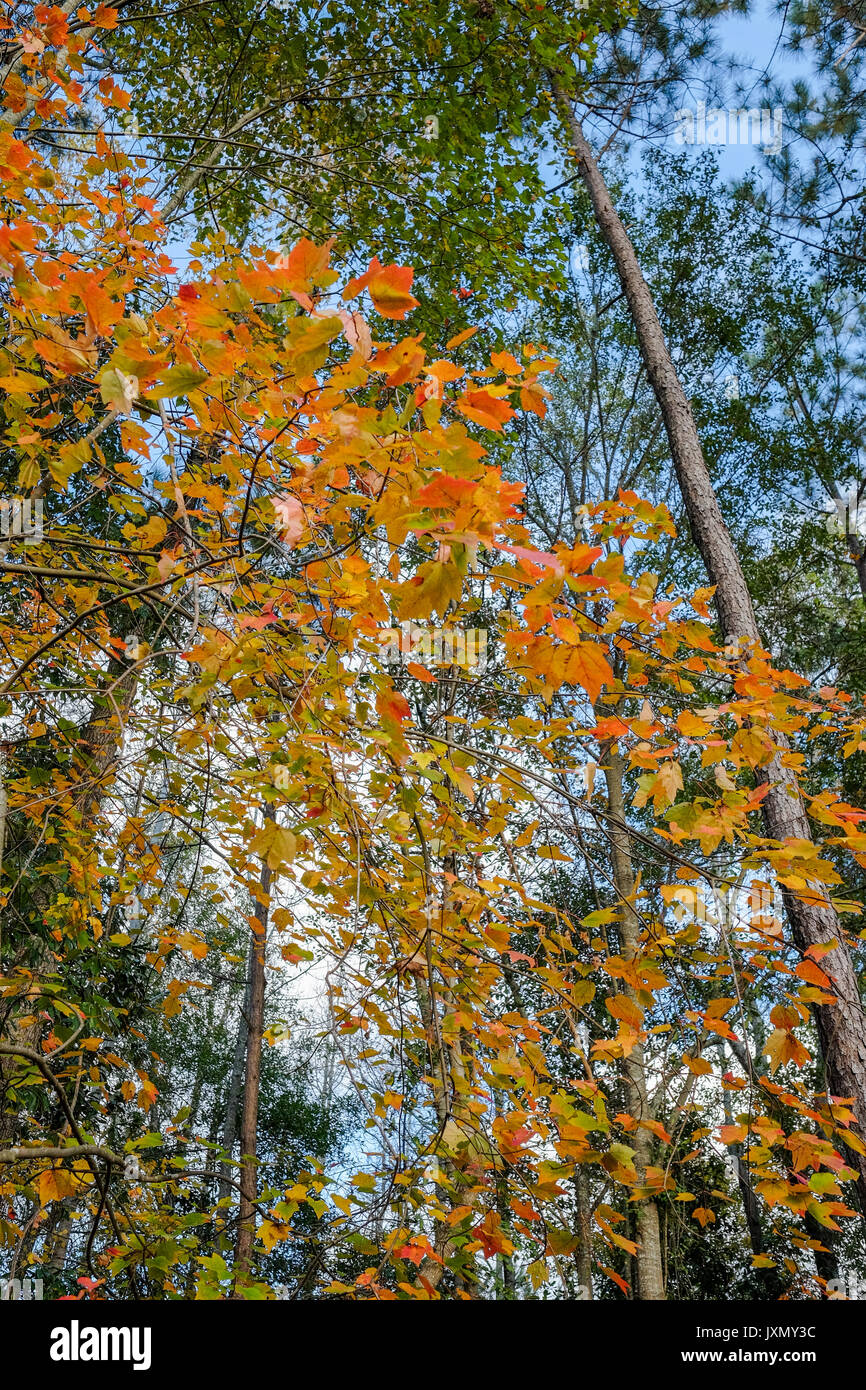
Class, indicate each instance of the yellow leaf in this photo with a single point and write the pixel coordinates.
(269, 1233)
(434, 585)
(275, 844)
(668, 782)
(690, 725)
(24, 383)
(698, 1065)
(461, 779)
(781, 1046)
(54, 1185)
(625, 1009)
(194, 944)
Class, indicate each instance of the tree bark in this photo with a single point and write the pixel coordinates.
(841, 1026)
(583, 1256)
(100, 747)
(751, 1210)
(252, 1078)
(236, 1076)
(650, 1277)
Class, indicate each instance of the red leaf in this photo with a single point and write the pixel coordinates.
(411, 1252)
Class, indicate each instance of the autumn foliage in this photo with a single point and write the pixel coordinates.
(250, 471)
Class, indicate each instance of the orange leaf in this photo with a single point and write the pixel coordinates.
(625, 1009)
(484, 409)
(461, 338)
(392, 705)
(306, 261)
(389, 291)
(532, 557)
(588, 666)
(54, 1185)
(807, 970)
(419, 672)
(389, 288)
(781, 1046)
(415, 1253)
(733, 1134)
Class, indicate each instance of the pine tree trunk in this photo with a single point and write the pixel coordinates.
(650, 1277)
(841, 1026)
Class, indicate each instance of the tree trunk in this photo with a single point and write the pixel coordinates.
(250, 1112)
(54, 1254)
(751, 1210)
(650, 1278)
(447, 1079)
(236, 1077)
(100, 747)
(583, 1254)
(841, 1026)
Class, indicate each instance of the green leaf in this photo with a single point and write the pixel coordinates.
(177, 381)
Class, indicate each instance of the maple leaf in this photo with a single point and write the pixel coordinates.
(270, 1232)
(147, 1094)
(291, 518)
(392, 705)
(434, 586)
(663, 787)
(485, 409)
(194, 944)
(23, 383)
(492, 1239)
(414, 1253)
(588, 666)
(307, 262)
(118, 391)
(256, 622)
(541, 558)
(698, 1065)
(782, 1046)
(88, 1286)
(807, 970)
(357, 333)
(276, 844)
(617, 1278)
(690, 725)
(733, 1134)
(389, 288)
(55, 1184)
(621, 1006)
(389, 291)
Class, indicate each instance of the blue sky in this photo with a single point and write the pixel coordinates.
(754, 43)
